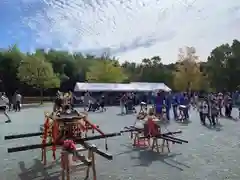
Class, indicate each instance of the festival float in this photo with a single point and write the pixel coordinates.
(68, 130)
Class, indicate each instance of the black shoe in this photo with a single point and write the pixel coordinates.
(8, 121)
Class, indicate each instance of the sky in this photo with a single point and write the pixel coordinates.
(127, 29)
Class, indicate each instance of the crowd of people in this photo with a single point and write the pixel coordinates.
(166, 104)
(209, 105)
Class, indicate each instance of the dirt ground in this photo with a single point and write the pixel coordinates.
(211, 154)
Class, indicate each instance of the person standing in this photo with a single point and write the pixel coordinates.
(175, 104)
(184, 100)
(220, 103)
(18, 101)
(168, 103)
(214, 112)
(237, 102)
(86, 100)
(204, 112)
(200, 110)
(122, 103)
(159, 102)
(102, 103)
(14, 101)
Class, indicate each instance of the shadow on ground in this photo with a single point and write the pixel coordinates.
(146, 157)
(38, 171)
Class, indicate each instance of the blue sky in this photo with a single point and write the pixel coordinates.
(128, 29)
(12, 30)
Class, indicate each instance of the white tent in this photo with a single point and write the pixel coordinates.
(103, 87)
(124, 87)
(151, 86)
(141, 87)
(134, 86)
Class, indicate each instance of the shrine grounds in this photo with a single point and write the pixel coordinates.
(211, 154)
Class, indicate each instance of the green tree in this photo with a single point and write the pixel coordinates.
(105, 71)
(37, 72)
(188, 75)
(9, 62)
(219, 72)
(224, 66)
(216, 65)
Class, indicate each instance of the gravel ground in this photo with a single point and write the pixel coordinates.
(211, 154)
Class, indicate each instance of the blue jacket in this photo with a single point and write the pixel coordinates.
(175, 101)
(168, 101)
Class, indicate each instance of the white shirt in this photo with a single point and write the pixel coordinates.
(4, 101)
(18, 97)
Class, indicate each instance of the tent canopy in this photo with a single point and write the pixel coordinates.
(151, 86)
(135, 86)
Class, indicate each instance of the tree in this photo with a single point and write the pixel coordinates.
(224, 66)
(216, 64)
(188, 75)
(219, 72)
(106, 72)
(9, 62)
(37, 72)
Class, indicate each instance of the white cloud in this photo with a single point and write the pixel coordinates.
(134, 29)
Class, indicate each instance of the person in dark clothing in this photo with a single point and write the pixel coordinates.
(175, 104)
(186, 103)
(228, 106)
(200, 110)
(168, 103)
(102, 103)
(214, 112)
(220, 103)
